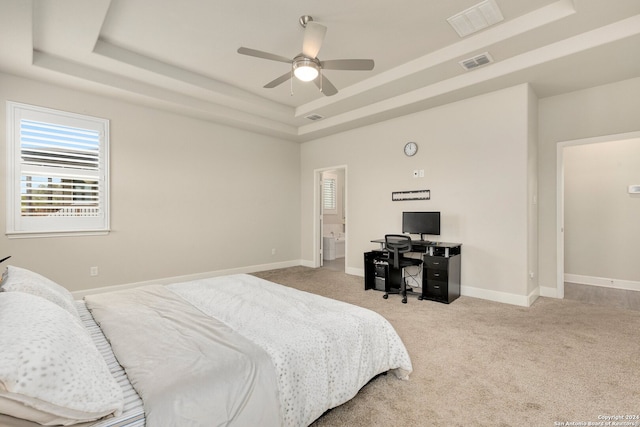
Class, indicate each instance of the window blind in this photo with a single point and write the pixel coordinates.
(59, 170)
(329, 193)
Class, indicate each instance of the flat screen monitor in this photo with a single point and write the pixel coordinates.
(421, 223)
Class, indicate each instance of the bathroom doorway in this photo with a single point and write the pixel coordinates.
(331, 222)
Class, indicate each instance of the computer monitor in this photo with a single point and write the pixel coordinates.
(421, 223)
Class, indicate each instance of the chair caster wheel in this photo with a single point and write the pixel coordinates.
(420, 298)
(404, 300)
(385, 296)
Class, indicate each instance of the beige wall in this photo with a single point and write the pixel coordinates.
(602, 220)
(603, 110)
(476, 157)
(179, 206)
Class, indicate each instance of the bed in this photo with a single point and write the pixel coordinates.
(231, 350)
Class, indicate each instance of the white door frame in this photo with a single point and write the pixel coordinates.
(560, 196)
(317, 215)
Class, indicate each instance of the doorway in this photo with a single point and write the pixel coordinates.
(586, 279)
(330, 221)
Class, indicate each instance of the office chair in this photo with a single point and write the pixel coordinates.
(396, 245)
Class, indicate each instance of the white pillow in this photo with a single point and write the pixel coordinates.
(22, 280)
(50, 369)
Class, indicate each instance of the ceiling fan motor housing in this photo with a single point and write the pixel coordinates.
(304, 20)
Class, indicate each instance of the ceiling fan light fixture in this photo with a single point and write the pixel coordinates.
(305, 69)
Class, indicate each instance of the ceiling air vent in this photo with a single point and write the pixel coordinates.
(476, 61)
(314, 117)
(482, 15)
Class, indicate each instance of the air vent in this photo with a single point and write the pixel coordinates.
(482, 15)
(476, 61)
(314, 117)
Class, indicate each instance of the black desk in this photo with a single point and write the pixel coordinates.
(440, 270)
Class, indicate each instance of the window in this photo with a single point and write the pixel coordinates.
(57, 172)
(329, 195)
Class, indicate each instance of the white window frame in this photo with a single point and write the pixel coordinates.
(20, 226)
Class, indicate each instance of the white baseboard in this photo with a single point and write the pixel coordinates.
(548, 292)
(497, 296)
(354, 271)
(603, 282)
(177, 279)
(533, 296)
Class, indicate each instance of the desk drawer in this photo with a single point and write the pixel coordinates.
(436, 289)
(436, 262)
(437, 275)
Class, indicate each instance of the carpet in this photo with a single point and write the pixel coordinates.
(482, 363)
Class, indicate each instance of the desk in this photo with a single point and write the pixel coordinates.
(440, 270)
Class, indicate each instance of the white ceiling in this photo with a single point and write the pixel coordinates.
(182, 55)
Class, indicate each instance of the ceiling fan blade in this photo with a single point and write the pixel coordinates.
(313, 37)
(283, 78)
(264, 55)
(325, 86)
(348, 64)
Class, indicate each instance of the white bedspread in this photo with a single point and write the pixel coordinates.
(190, 369)
(323, 350)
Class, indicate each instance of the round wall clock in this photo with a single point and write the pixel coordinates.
(410, 148)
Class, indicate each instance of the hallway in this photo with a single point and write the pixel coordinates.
(615, 298)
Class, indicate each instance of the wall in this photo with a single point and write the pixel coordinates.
(481, 141)
(475, 154)
(532, 194)
(187, 197)
(602, 230)
(603, 110)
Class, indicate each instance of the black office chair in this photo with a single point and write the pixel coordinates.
(396, 245)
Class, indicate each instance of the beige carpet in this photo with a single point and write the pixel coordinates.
(481, 363)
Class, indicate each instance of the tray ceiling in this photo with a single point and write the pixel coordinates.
(182, 56)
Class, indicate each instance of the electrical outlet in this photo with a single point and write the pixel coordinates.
(273, 251)
(93, 271)
(421, 173)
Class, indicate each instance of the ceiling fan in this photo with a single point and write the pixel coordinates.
(306, 66)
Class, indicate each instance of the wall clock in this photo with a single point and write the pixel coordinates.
(410, 148)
